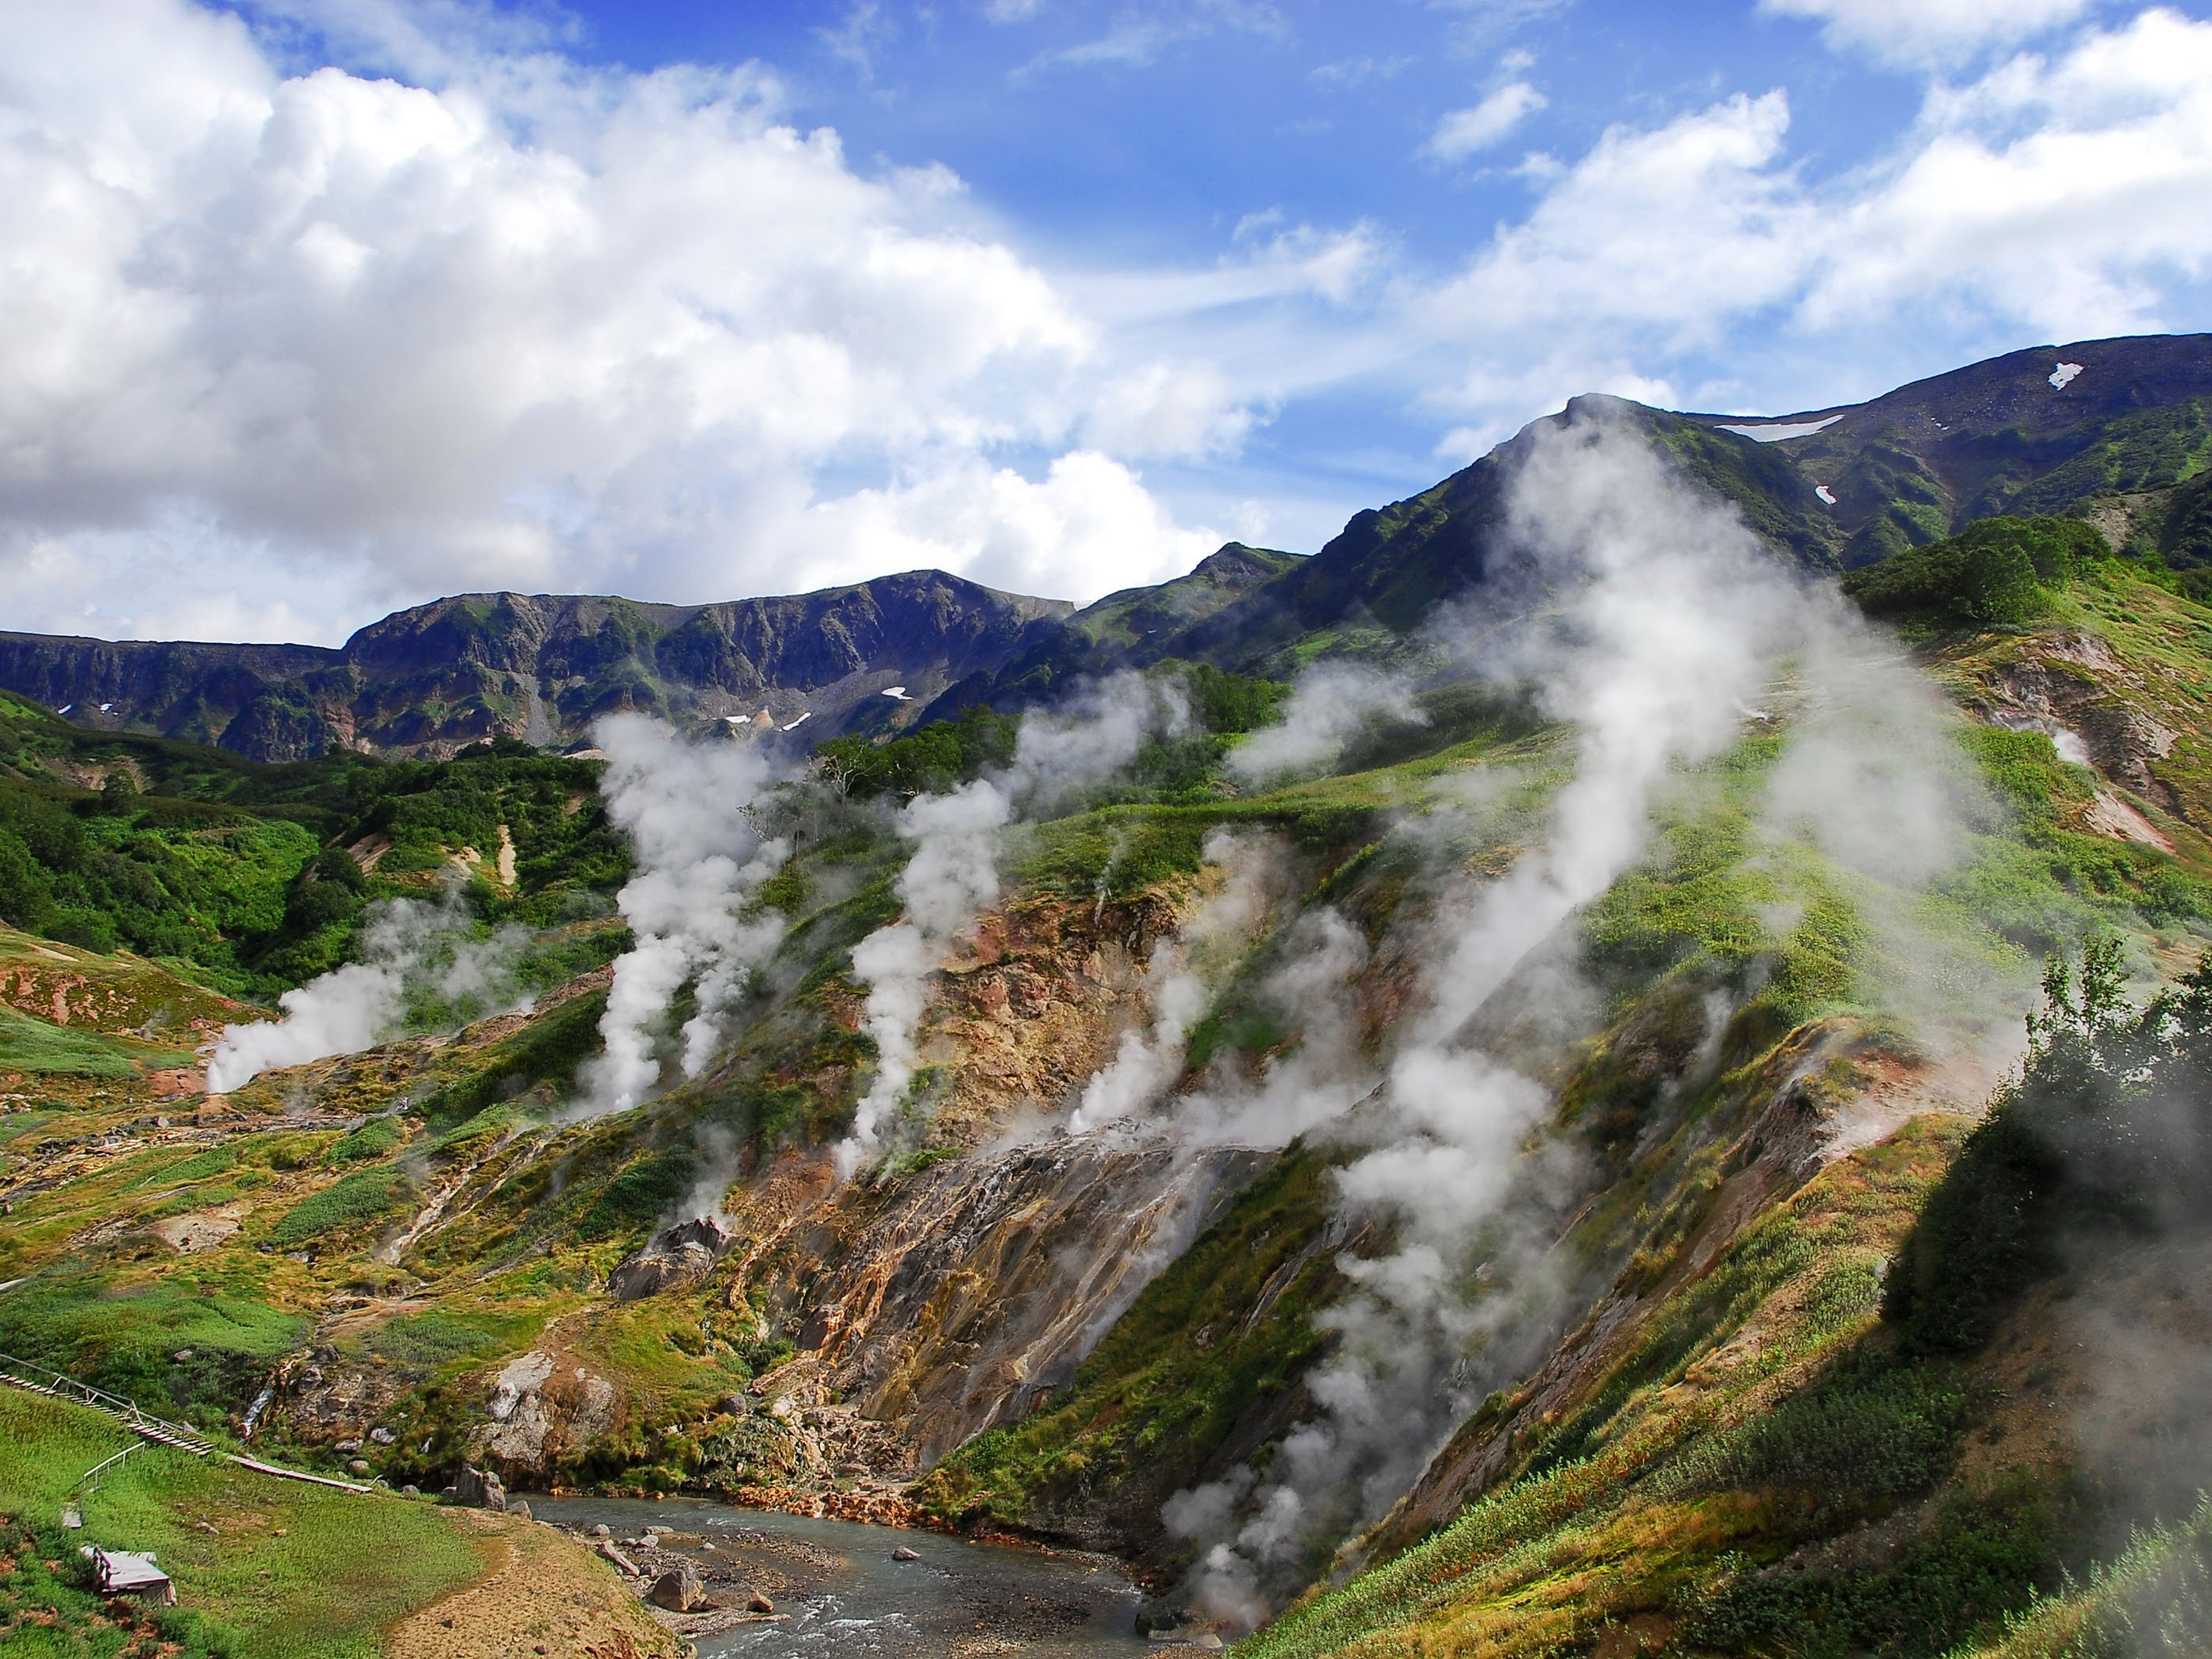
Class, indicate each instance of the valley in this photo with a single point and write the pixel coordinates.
(1432, 1098)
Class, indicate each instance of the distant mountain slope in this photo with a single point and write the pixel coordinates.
(2117, 422)
(2118, 431)
(2119, 442)
(432, 680)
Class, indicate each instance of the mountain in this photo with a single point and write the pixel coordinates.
(2120, 437)
(430, 680)
(1391, 1213)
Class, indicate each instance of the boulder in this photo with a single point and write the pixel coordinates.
(607, 1548)
(479, 1489)
(676, 1257)
(679, 1589)
(759, 1603)
(359, 1466)
(383, 1436)
(903, 1553)
(520, 1508)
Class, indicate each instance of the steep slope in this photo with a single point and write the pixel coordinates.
(2114, 442)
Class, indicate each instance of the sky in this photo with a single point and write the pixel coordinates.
(313, 309)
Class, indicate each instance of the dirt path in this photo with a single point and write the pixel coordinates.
(540, 1595)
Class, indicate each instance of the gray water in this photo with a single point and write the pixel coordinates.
(845, 1597)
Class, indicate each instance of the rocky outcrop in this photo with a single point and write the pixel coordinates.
(478, 1489)
(677, 1257)
(958, 1297)
(680, 1589)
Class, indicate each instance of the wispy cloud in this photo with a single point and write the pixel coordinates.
(1464, 132)
(1929, 31)
(1135, 39)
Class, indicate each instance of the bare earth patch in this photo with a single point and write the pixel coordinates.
(541, 1593)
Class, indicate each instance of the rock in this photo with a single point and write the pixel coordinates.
(676, 1257)
(183, 1356)
(603, 1530)
(679, 1589)
(411, 1489)
(903, 1553)
(852, 1468)
(607, 1548)
(383, 1436)
(1208, 1640)
(359, 1466)
(347, 1445)
(759, 1603)
(479, 1489)
(520, 1508)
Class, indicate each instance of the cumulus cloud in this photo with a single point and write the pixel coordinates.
(1464, 132)
(1915, 31)
(2037, 196)
(536, 326)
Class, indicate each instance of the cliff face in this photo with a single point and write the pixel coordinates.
(431, 680)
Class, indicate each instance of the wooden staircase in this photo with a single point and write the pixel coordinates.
(158, 1431)
(39, 1379)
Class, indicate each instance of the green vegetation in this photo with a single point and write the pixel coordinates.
(364, 1196)
(2096, 1139)
(265, 1569)
(33, 1045)
(1995, 573)
(237, 873)
(125, 1336)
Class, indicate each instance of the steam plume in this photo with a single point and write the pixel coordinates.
(1665, 614)
(1329, 706)
(953, 872)
(1149, 1059)
(409, 949)
(701, 859)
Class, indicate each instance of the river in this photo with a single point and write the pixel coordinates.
(840, 1594)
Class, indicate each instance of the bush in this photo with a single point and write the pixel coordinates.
(2108, 1127)
(1992, 573)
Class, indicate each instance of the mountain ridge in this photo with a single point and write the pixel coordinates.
(2126, 430)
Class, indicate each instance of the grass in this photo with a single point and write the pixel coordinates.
(264, 1568)
(36, 1046)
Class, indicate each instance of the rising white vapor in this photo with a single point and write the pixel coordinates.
(1149, 1057)
(691, 812)
(1667, 616)
(1332, 703)
(952, 873)
(410, 947)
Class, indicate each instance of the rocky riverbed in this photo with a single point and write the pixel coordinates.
(771, 1586)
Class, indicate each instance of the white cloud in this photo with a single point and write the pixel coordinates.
(1463, 132)
(1921, 30)
(1088, 527)
(2044, 198)
(356, 341)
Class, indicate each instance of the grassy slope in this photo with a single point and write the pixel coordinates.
(273, 1569)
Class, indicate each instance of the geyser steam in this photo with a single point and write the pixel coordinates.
(1658, 618)
(410, 948)
(953, 873)
(691, 812)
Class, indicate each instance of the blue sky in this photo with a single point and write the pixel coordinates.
(323, 307)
